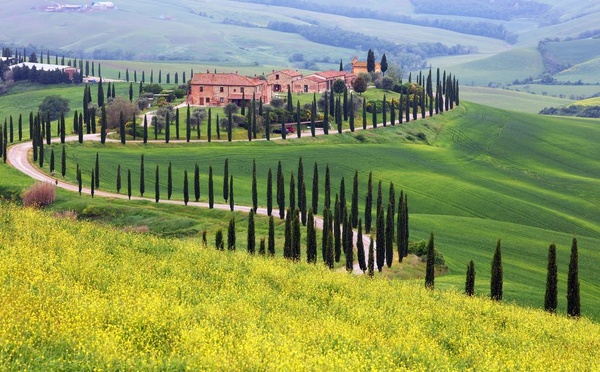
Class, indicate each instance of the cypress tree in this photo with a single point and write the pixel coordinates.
(302, 203)
(219, 244)
(186, 190)
(211, 191)
(262, 247)
(269, 193)
(496, 280)
(374, 115)
(280, 191)
(11, 131)
(315, 188)
(379, 196)
(392, 112)
(169, 181)
(188, 125)
(327, 188)
(79, 180)
(103, 127)
(209, 126)
(133, 127)
(380, 238)
(338, 115)
(296, 237)
(231, 234)
(400, 108)
(196, 182)
(354, 206)
(298, 119)
(364, 114)
(145, 135)
(300, 178)
(313, 115)
(254, 187)
(251, 240)
(97, 171)
(229, 126)
(573, 301)
(218, 128)
(408, 106)
(52, 160)
(129, 183)
(287, 244)
(430, 268)
(351, 113)
(325, 233)
(168, 128)
(292, 192)
(389, 235)
(330, 255)
(20, 127)
(142, 180)
(271, 237)
(392, 198)
(122, 127)
(360, 248)
(369, 203)
(156, 185)
(268, 126)
(92, 185)
(177, 123)
(345, 104)
(41, 150)
(80, 128)
(63, 162)
(384, 110)
(130, 91)
(470, 280)
(231, 201)
(226, 179)
(551, 299)
(337, 234)
(325, 116)
(342, 194)
(348, 246)
(371, 261)
(119, 179)
(311, 239)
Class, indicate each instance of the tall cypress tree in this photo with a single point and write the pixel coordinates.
(380, 237)
(496, 280)
(313, 115)
(156, 185)
(122, 128)
(384, 110)
(287, 243)
(337, 233)
(389, 235)
(226, 179)
(292, 193)
(573, 301)
(229, 126)
(177, 123)
(364, 114)
(79, 179)
(196, 182)
(430, 267)
(369, 203)
(145, 133)
(296, 237)
(343, 193)
(371, 261)
(327, 188)
(311, 239)
(329, 261)
(186, 190)
(271, 237)
(269, 193)
(188, 125)
(92, 184)
(251, 239)
(63, 162)
(231, 234)
(360, 248)
(129, 183)
(374, 115)
(52, 160)
(354, 206)
(169, 181)
(97, 170)
(219, 240)
(119, 179)
(254, 187)
(348, 246)
(280, 191)
(315, 188)
(211, 190)
(551, 299)
(209, 126)
(470, 280)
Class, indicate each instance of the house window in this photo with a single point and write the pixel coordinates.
(306, 89)
(242, 89)
(201, 89)
(207, 100)
(221, 89)
(277, 77)
(222, 99)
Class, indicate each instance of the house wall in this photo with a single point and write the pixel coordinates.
(217, 95)
(279, 81)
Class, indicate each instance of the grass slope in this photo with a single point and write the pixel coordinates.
(82, 297)
(528, 179)
(510, 100)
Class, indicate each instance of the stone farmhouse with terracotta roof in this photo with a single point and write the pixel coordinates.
(219, 89)
(280, 80)
(321, 81)
(359, 67)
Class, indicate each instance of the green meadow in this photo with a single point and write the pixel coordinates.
(472, 175)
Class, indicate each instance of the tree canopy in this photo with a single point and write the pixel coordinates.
(54, 105)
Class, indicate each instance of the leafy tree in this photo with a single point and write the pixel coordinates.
(430, 267)
(551, 299)
(496, 280)
(339, 85)
(115, 107)
(54, 105)
(359, 85)
(470, 281)
(573, 301)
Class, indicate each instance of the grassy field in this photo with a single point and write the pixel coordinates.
(82, 297)
(588, 72)
(477, 174)
(589, 102)
(571, 92)
(509, 99)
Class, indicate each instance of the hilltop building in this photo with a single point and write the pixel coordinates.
(320, 82)
(359, 67)
(48, 67)
(219, 89)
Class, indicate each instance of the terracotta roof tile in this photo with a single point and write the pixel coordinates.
(225, 80)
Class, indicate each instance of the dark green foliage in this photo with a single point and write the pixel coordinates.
(325, 233)
(389, 235)
(327, 188)
(551, 298)
(354, 206)
(231, 234)
(219, 244)
(300, 180)
(402, 227)
(343, 193)
(315, 189)
(122, 128)
(119, 179)
(188, 125)
(384, 111)
(296, 237)
(142, 180)
(302, 204)
(292, 192)
(371, 261)
(97, 170)
(229, 126)
(337, 233)
(280, 191)
(374, 117)
(128, 183)
(430, 267)
(370, 61)
(63, 162)
(496, 280)
(364, 114)
(186, 190)
(251, 239)
(348, 244)
(52, 160)
(392, 197)
(79, 180)
(156, 185)
(360, 248)
(287, 244)
(351, 114)
(145, 135)
(470, 280)
(169, 181)
(262, 247)
(196, 182)
(209, 126)
(384, 64)
(329, 257)
(271, 237)
(313, 115)
(226, 180)
(311, 239)
(92, 185)
(176, 123)
(269, 193)
(380, 238)
(369, 203)
(326, 115)
(211, 190)
(573, 301)
(254, 187)
(231, 201)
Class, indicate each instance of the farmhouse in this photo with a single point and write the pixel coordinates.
(219, 89)
(280, 80)
(48, 67)
(359, 67)
(321, 81)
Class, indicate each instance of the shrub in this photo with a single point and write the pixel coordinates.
(39, 195)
